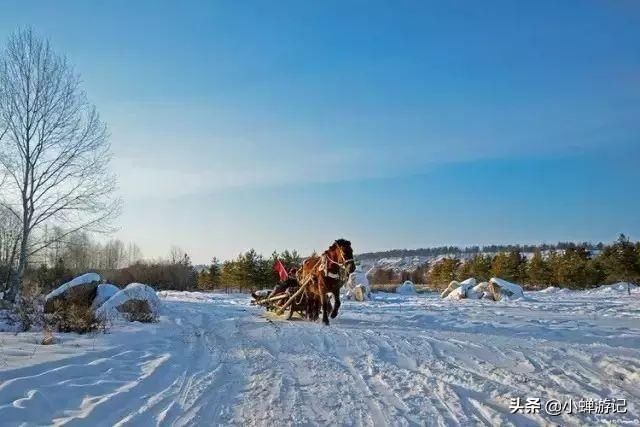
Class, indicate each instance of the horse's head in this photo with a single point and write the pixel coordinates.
(343, 254)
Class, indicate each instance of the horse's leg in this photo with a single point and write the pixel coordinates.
(290, 315)
(334, 311)
(310, 307)
(324, 301)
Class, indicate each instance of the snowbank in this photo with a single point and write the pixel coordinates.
(85, 279)
(136, 299)
(407, 288)
(103, 293)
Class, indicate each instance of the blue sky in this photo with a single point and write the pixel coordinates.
(395, 124)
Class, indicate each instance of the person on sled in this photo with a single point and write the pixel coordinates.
(287, 279)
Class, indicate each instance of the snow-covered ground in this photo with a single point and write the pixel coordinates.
(396, 360)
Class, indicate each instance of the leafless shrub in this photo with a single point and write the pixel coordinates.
(73, 315)
(27, 311)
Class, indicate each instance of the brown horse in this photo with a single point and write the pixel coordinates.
(327, 273)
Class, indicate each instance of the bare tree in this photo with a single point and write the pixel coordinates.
(176, 254)
(10, 232)
(134, 254)
(54, 149)
(114, 254)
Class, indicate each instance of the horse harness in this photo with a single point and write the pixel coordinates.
(326, 260)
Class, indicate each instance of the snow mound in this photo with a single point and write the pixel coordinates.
(357, 287)
(407, 288)
(85, 279)
(503, 289)
(103, 293)
(130, 303)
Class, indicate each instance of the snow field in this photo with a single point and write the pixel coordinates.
(394, 360)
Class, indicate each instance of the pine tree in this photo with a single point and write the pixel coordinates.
(290, 259)
(464, 271)
(538, 271)
(621, 261)
(443, 272)
(209, 278)
(509, 266)
(480, 267)
(575, 269)
(214, 272)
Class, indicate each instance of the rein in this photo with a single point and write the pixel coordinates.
(342, 265)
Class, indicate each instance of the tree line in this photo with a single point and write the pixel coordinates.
(476, 249)
(574, 266)
(249, 270)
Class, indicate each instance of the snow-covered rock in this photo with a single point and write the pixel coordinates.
(499, 289)
(357, 287)
(463, 290)
(103, 293)
(135, 302)
(479, 290)
(452, 286)
(79, 291)
(471, 282)
(457, 293)
(470, 286)
(407, 288)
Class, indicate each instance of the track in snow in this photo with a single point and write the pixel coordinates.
(398, 360)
